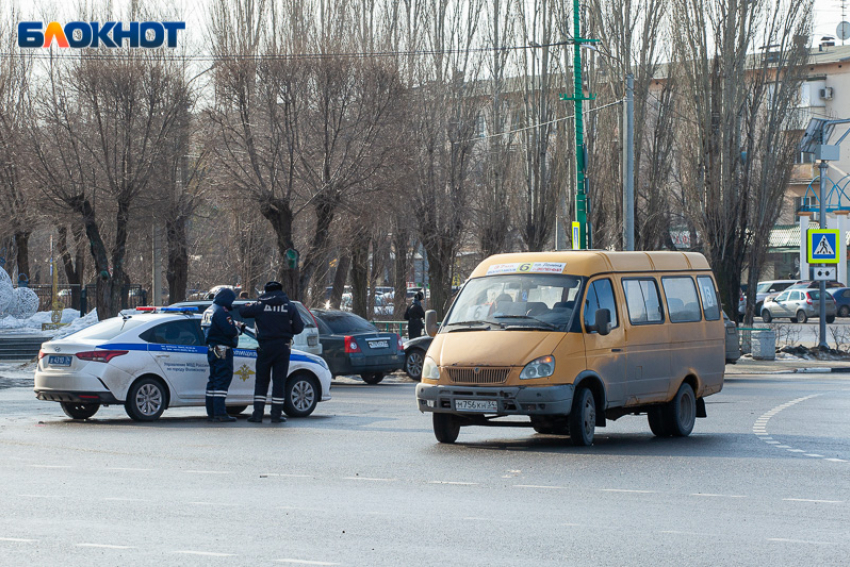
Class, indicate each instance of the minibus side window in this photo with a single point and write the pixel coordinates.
(643, 301)
(710, 306)
(600, 295)
(682, 301)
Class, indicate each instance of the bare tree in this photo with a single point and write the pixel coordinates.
(102, 128)
(15, 113)
(735, 149)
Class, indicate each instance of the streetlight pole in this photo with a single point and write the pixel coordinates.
(585, 238)
(629, 165)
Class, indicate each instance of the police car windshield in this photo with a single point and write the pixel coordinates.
(108, 329)
(515, 301)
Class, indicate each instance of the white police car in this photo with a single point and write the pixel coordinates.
(154, 359)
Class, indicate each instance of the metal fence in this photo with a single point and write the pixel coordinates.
(70, 296)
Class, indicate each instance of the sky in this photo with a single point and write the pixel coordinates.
(827, 17)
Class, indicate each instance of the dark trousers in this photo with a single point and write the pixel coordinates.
(221, 374)
(272, 365)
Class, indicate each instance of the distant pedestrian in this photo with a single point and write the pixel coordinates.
(243, 295)
(276, 321)
(222, 335)
(414, 315)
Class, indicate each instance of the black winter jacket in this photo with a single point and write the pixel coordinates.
(275, 317)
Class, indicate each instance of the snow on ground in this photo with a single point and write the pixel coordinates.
(15, 375)
(32, 326)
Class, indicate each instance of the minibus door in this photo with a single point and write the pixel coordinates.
(605, 353)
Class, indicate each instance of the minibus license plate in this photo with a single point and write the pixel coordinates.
(378, 344)
(59, 361)
(475, 405)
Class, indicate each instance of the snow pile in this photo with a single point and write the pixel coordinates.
(32, 325)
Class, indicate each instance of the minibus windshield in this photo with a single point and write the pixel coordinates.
(513, 302)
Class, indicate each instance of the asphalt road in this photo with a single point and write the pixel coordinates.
(764, 480)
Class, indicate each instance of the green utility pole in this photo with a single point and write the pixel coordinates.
(578, 97)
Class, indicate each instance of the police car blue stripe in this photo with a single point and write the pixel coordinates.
(123, 346)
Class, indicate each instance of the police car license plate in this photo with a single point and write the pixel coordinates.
(378, 344)
(59, 361)
(476, 405)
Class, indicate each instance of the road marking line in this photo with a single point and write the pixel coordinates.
(286, 475)
(836, 460)
(783, 446)
(204, 553)
(707, 495)
(304, 562)
(50, 466)
(18, 539)
(783, 540)
(626, 490)
(814, 455)
(796, 451)
(127, 469)
(208, 472)
(453, 482)
(817, 501)
(772, 442)
(677, 532)
(103, 545)
(119, 499)
(371, 479)
(37, 496)
(538, 486)
(200, 503)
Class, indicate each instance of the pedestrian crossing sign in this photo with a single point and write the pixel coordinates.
(822, 246)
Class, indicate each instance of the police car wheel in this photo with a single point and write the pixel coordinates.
(235, 410)
(146, 400)
(79, 411)
(372, 378)
(302, 395)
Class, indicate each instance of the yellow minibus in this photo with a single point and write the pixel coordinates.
(571, 339)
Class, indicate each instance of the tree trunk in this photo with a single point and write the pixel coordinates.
(120, 279)
(340, 277)
(22, 251)
(440, 267)
(103, 297)
(279, 215)
(73, 270)
(325, 212)
(360, 276)
(177, 264)
(401, 247)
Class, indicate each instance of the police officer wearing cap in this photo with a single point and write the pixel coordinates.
(222, 336)
(277, 321)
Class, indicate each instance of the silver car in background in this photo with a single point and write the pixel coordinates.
(798, 305)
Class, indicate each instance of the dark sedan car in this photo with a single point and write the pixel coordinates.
(842, 300)
(353, 345)
(414, 355)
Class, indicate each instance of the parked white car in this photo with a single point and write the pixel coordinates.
(153, 361)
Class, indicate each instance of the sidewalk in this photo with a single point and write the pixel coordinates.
(785, 364)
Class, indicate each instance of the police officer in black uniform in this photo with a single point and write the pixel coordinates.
(222, 336)
(277, 321)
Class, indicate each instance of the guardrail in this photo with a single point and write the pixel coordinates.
(399, 327)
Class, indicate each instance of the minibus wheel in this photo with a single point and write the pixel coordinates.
(583, 418)
(446, 427)
(682, 412)
(658, 422)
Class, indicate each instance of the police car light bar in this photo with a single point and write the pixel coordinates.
(167, 309)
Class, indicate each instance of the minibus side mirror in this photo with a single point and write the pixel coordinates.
(431, 326)
(603, 322)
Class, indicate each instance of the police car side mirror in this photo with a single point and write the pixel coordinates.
(431, 326)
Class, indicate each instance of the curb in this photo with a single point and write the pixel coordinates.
(840, 370)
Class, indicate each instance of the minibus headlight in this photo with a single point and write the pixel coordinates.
(538, 368)
(430, 371)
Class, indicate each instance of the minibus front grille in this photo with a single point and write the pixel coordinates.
(478, 375)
